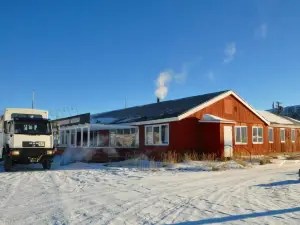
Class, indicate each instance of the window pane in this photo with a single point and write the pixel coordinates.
(254, 139)
(293, 135)
(120, 131)
(260, 132)
(238, 134)
(149, 135)
(164, 134)
(260, 140)
(73, 137)
(244, 135)
(92, 138)
(271, 135)
(78, 139)
(62, 137)
(126, 131)
(68, 140)
(132, 130)
(155, 135)
(282, 135)
(85, 137)
(254, 131)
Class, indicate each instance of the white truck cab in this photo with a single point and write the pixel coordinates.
(25, 137)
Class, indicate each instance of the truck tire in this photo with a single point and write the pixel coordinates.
(47, 165)
(7, 164)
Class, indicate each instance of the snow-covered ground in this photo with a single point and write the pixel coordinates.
(96, 194)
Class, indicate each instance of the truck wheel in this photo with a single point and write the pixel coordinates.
(7, 164)
(47, 165)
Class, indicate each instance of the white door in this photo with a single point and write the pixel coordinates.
(228, 148)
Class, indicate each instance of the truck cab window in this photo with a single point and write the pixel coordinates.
(32, 127)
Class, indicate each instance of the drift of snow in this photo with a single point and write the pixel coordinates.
(83, 193)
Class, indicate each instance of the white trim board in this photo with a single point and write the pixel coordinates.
(167, 120)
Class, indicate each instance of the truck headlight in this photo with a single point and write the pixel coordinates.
(15, 153)
(49, 152)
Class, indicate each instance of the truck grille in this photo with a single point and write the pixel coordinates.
(33, 144)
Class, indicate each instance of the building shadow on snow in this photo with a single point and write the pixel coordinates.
(279, 183)
(239, 217)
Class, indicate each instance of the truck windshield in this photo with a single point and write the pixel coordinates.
(32, 127)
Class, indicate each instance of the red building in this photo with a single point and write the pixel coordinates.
(220, 123)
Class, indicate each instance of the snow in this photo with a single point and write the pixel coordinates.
(272, 118)
(213, 118)
(83, 193)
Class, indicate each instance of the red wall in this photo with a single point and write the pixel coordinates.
(188, 134)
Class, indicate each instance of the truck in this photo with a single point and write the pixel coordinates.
(26, 137)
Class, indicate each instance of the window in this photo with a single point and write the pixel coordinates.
(78, 137)
(241, 135)
(93, 138)
(282, 135)
(85, 137)
(293, 135)
(62, 137)
(257, 135)
(271, 134)
(73, 134)
(31, 127)
(157, 135)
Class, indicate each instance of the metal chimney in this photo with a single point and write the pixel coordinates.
(158, 100)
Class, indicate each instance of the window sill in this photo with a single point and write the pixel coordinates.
(282, 142)
(271, 142)
(257, 143)
(156, 144)
(241, 143)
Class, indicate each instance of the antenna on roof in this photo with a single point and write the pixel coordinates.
(32, 104)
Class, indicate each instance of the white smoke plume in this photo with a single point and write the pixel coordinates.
(71, 155)
(162, 83)
(166, 77)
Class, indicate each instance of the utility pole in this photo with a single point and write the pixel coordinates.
(32, 99)
(125, 102)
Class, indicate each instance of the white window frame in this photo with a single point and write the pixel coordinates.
(271, 128)
(293, 130)
(159, 144)
(282, 141)
(257, 142)
(235, 133)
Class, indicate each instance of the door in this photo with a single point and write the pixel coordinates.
(228, 148)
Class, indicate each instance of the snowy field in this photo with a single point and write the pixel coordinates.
(96, 194)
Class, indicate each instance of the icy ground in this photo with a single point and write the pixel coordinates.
(95, 194)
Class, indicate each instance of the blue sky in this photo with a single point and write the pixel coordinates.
(87, 56)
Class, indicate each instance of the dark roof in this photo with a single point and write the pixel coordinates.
(161, 110)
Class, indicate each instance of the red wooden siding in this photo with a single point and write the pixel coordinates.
(188, 134)
(209, 138)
